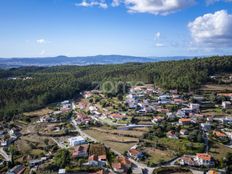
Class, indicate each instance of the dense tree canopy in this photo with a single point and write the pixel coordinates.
(52, 84)
(62, 158)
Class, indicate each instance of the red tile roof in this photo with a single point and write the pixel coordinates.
(123, 160)
(116, 115)
(219, 134)
(225, 94)
(204, 156)
(185, 120)
(134, 152)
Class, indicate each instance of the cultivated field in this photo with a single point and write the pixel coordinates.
(33, 145)
(214, 111)
(219, 151)
(215, 87)
(38, 113)
(130, 133)
(157, 156)
(116, 142)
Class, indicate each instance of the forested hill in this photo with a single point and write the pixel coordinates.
(28, 88)
(82, 61)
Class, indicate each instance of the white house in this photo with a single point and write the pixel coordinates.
(204, 159)
(205, 126)
(74, 141)
(157, 119)
(229, 134)
(171, 115)
(65, 102)
(92, 109)
(227, 120)
(164, 99)
(172, 134)
(184, 132)
(226, 104)
(194, 106)
(4, 143)
(2, 132)
(61, 171)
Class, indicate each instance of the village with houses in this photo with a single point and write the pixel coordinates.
(145, 130)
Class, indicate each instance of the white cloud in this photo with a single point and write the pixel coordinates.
(41, 41)
(212, 30)
(157, 35)
(157, 7)
(159, 45)
(93, 3)
(116, 3)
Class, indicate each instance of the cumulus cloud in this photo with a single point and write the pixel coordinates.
(157, 7)
(41, 41)
(212, 30)
(93, 3)
(116, 3)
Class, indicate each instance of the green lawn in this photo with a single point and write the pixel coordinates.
(37, 152)
(116, 142)
(181, 146)
(214, 111)
(219, 151)
(156, 156)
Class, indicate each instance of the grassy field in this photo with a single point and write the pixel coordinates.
(157, 156)
(32, 145)
(129, 133)
(97, 149)
(214, 111)
(219, 151)
(38, 113)
(180, 146)
(141, 129)
(172, 170)
(216, 87)
(118, 143)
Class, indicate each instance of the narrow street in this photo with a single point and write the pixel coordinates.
(58, 143)
(206, 141)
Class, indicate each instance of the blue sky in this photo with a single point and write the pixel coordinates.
(40, 28)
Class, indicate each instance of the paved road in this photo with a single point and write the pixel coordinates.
(206, 141)
(197, 172)
(60, 145)
(83, 134)
(4, 154)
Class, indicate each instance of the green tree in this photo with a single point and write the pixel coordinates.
(62, 158)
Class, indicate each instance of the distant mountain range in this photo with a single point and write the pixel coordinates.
(89, 60)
